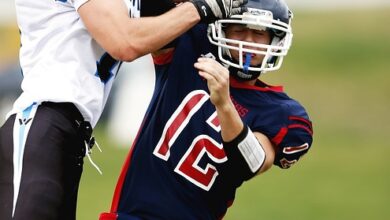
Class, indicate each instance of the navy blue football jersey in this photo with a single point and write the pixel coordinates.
(175, 167)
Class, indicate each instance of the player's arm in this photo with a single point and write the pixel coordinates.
(269, 149)
(127, 38)
(234, 132)
(232, 129)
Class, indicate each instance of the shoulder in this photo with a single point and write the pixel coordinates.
(281, 118)
(190, 44)
(295, 137)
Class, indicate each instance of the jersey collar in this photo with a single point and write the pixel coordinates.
(259, 86)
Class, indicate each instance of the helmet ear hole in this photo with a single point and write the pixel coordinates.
(277, 33)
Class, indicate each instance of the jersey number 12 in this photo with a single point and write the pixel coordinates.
(203, 144)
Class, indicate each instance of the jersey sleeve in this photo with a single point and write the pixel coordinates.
(293, 141)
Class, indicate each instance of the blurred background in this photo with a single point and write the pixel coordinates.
(338, 68)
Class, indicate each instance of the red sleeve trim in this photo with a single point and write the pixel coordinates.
(163, 58)
(301, 119)
(301, 126)
(279, 137)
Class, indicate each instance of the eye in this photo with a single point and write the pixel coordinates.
(260, 33)
(237, 28)
(238, 31)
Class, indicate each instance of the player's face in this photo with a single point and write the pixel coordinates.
(242, 33)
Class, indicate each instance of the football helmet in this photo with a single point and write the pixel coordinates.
(273, 16)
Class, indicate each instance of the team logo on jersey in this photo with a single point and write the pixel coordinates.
(24, 121)
(287, 163)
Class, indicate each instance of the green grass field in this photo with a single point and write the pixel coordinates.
(338, 68)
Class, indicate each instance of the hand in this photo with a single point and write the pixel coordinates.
(211, 10)
(217, 78)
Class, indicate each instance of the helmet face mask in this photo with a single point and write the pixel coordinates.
(275, 18)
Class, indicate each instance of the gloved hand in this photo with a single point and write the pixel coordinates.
(211, 10)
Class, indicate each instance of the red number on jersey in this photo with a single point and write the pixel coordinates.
(201, 145)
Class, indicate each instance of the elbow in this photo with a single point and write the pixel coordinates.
(125, 52)
(266, 165)
(269, 159)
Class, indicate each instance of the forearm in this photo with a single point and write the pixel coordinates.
(230, 121)
(232, 126)
(256, 150)
(127, 38)
(152, 33)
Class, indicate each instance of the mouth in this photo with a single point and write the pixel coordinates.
(244, 55)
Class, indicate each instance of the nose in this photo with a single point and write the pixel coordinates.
(249, 36)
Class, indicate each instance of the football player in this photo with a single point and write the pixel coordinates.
(212, 124)
(70, 53)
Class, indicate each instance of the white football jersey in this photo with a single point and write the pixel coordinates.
(60, 60)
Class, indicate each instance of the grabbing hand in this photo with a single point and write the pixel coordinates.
(211, 10)
(217, 78)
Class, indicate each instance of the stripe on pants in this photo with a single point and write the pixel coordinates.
(22, 124)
